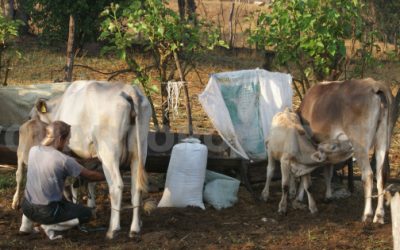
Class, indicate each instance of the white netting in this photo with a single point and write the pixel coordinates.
(174, 90)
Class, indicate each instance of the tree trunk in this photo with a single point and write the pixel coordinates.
(164, 107)
(181, 6)
(191, 11)
(21, 14)
(185, 87)
(396, 108)
(7, 7)
(231, 25)
(187, 10)
(70, 50)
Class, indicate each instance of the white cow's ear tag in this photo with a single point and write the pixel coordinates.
(43, 108)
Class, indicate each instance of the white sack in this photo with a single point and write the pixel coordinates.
(220, 190)
(185, 176)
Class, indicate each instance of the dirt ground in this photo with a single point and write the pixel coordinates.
(249, 224)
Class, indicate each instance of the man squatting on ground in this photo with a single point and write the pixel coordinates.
(48, 168)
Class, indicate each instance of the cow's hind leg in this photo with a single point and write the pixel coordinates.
(367, 180)
(380, 158)
(109, 156)
(136, 198)
(328, 173)
(138, 174)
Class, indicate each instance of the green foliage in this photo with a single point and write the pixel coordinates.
(153, 27)
(8, 32)
(309, 33)
(158, 28)
(7, 181)
(51, 18)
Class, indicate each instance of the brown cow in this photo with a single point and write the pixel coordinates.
(361, 109)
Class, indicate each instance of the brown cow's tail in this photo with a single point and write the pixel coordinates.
(387, 106)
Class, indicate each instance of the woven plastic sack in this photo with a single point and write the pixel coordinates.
(220, 190)
(241, 104)
(185, 175)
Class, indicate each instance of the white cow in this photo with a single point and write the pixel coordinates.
(109, 121)
(289, 144)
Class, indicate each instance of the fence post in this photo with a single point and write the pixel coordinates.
(395, 211)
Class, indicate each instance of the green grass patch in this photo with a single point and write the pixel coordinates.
(7, 180)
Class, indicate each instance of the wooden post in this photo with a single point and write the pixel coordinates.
(395, 211)
(231, 25)
(70, 50)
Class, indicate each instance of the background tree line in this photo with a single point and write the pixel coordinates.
(313, 40)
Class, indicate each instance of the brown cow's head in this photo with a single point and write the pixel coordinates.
(337, 150)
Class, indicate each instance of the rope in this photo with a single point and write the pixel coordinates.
(381, 194)
(173, 90)
(125, 207)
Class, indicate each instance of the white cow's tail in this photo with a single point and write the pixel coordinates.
(141, 175)
(136, 116)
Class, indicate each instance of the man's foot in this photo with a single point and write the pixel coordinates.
(48, 230)
(25, 231)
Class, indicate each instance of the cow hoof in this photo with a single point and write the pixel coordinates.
(313, 211)
(111, 234)
(379, 219)
(94, 214)
(264, 196)
(367, 218)
(282, 212)
(15, 205)
(298, 205)
(135, 236)
(328, 199)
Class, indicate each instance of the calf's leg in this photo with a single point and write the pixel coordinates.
(306, 180)
(270, 173)
(285, 169)
(19, 176)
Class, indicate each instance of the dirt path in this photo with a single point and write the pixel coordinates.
(247, 225)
